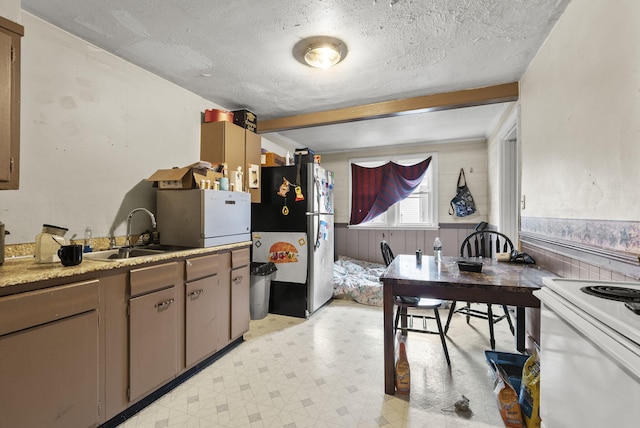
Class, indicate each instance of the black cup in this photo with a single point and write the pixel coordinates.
(70, 255)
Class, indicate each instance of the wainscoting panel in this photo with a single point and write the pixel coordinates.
(364, 244)
(584, 249)
(584, 266)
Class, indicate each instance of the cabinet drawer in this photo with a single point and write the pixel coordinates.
(30, 309)
(239, 258)
(148, 279)
(201, 267)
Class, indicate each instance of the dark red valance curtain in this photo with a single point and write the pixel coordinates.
(374, 190)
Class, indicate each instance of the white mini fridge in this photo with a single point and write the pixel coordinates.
(199, 218)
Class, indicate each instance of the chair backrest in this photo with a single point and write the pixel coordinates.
(485, 243)
(387, 254)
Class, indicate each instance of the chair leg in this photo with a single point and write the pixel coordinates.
(395, 324)
(468, 308)
(490, 319)
(452, 309)
(506, 313)
(403, 321)
(442, 338)
(401, 318)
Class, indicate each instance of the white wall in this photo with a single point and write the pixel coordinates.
(93, 128)
(10, 9)
(472, 156)
(580, 110)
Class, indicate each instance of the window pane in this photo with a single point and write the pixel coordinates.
(378, 221)
(418, 209)
(410, 210)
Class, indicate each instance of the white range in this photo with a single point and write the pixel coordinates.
(590, 354)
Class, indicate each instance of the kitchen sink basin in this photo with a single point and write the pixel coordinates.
(122, 254)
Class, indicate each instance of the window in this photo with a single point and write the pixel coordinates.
(419, 210)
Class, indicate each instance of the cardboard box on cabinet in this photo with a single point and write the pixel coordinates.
(303, 156)
(187, 177)
(245, 119)
(272, 159)
(216, 115)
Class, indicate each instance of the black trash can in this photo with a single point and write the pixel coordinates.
(261, 274)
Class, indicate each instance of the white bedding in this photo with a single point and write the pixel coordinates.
(357, 280)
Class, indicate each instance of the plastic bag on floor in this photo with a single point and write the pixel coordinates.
(507, 400)
(530, 392)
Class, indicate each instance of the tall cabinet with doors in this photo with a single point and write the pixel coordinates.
(10, 34)
(236, 146)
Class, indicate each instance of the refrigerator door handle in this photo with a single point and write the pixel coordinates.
(315, 247)
(318, 213)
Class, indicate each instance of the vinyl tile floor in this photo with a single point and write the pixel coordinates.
(327, 371)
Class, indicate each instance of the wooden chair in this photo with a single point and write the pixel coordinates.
(404, 303)
(483, 243)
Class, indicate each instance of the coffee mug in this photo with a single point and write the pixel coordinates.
(70, 255)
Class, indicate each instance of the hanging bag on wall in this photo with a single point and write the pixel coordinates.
(462, 204)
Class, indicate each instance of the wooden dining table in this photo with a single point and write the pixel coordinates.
(501, 283)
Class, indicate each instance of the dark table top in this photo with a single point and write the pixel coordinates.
(499, 282)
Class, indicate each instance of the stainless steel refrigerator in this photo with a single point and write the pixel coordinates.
(293, 228)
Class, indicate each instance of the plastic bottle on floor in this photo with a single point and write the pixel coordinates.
(403, 372)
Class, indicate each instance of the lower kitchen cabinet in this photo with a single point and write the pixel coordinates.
(240, 293)
(91, 352)
(223, 305)
(201, 319)
(153, 340)
(49, 357)
(203, 292)
(114, 297)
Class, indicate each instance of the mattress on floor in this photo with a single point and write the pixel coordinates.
(357, 280)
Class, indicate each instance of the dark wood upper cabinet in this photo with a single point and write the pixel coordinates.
(10, 34)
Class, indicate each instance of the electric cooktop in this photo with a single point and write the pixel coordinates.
(620, 294)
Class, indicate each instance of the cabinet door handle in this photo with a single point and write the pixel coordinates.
(195, 293)
(237, 279)
(165, 303)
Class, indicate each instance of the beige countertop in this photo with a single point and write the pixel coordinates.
(23, 270)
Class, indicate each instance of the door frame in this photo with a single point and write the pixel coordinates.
(509, 176)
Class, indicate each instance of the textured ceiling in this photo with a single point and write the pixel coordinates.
(239, 54)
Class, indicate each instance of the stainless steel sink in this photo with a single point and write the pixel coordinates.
(121, 254)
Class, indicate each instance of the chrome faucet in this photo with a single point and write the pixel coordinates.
(127, 241)
(112, 242)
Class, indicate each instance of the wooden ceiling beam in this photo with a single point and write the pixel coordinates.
(445, 101)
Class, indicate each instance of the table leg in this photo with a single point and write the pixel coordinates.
(520, 329)
(389, 378)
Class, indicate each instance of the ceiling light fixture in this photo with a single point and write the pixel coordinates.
(322, 55)
(320, 51)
